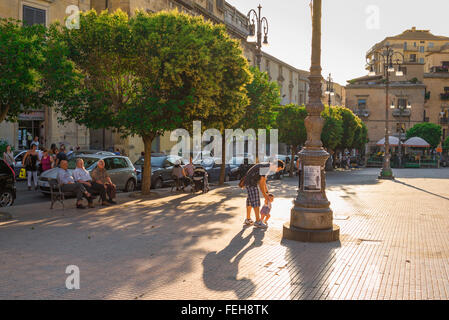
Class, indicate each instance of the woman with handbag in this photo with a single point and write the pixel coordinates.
(30, 163)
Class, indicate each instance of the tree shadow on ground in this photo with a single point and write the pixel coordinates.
(136, 246)
(220, 269)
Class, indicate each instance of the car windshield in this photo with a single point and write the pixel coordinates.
(157, 161)
(140, 162)
(88, 162)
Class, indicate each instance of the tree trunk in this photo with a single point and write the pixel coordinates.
(146, 170)
(223, 161)
(292, 161)
(3, 113)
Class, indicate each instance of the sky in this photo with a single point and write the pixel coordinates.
(349, 29)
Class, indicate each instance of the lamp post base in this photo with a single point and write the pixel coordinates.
(386, 174)
(303, 235)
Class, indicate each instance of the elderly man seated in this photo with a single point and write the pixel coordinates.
(101, 176)
(81, 175)
(68, 184)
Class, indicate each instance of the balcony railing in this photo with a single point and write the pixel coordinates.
(362, 113)
(444, 120)
(439, 69)
(401, 113)
(445, 96)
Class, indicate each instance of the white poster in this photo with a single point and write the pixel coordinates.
(312, 178)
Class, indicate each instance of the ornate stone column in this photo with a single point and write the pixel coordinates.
(311, 218)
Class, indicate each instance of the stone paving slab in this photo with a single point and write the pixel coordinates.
(394, 245)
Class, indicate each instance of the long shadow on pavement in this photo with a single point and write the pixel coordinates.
(220, 269)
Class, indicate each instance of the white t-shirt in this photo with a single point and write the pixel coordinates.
(81, 174)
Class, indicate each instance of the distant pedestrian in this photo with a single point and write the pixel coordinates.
(46, 161)
(117, 152)
(35, 142)
(30, 161)
(61, 155)
(8, 156)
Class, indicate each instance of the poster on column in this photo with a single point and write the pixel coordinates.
(312, 178)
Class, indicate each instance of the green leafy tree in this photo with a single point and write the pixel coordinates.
(333, 128)
(292, 131)
(428, 131)
(149, 74)
(350, 125)
(33, 70)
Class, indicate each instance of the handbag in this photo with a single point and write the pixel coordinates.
(242, 182)
(22, 173)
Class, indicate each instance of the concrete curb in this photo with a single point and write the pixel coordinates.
(5, 216)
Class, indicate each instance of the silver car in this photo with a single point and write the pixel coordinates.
(119, 168)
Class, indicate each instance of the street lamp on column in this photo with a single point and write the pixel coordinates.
(401, 108)
(311, 218)
(330, 89)
(256, 25)
(389, 59)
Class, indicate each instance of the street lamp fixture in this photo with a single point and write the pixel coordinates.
(330, 89)
(389, 58)
(256, 25)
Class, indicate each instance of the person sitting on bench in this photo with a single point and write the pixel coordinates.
(101, 176)
(81, 175)
(68, 184)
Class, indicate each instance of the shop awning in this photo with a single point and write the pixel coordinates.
(417, 142)
(392, 140)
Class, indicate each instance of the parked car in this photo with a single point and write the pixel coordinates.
(7, 185)
(213, 169)
(119, 168)
(161, 169)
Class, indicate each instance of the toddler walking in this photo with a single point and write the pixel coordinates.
(265, 211)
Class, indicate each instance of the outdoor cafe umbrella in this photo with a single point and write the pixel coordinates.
(417, 142)
(394, 142)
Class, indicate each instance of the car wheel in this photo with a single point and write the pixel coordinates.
(6, 199)
(158, 184)
(130, 185)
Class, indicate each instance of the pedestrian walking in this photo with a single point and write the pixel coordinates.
(266, 209)
(8, 156)
(30, 161)
(255, 179)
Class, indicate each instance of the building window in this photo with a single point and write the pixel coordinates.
(421, 49)
(431, 44)
(421, 60)
(402, 103)
(413, 58)
(210, 5)
(361, 104)
(405, 45)
(33, 16)
(446, 89)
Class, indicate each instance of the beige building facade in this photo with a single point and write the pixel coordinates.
(423, 86)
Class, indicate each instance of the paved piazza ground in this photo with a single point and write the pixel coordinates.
(394, 245)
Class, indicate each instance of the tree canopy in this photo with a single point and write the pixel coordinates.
(34, 71)
(153, 73)
(428, 131)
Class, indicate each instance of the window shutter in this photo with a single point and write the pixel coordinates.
(33, 16)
